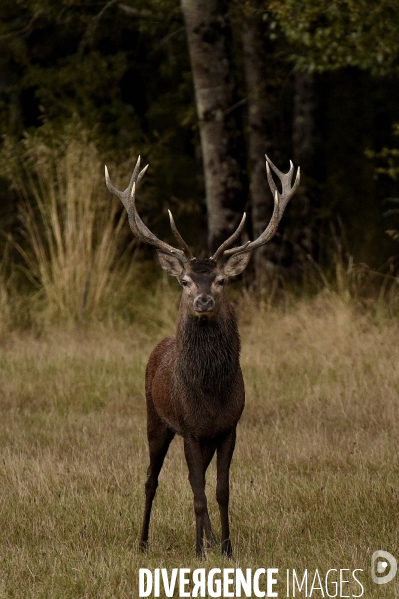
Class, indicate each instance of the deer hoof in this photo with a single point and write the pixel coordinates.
(227, 550)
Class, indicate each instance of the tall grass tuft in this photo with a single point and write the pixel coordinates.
(72, 228)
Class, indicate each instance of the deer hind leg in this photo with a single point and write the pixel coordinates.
(225, 451)
(208, 451)
(159, 439)
(196, 476)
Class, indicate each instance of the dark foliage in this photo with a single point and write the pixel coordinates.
(123, 72)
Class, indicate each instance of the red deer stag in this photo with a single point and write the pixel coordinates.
(194, 384)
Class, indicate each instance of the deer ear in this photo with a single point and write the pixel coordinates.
(171, 264)
(236, 264)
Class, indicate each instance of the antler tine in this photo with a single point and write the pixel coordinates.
(127, 198)
(125, 195)
(280, 203)
(222, 249)
(179, 238)
(286, 182)
(139, 229)
(133, 178)
(141, 174)
(150, 238)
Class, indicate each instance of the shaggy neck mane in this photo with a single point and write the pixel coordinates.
(209, 350)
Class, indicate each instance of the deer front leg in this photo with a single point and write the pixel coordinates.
(158, 445)
(225, 451)
(208, 449)
(196, 476)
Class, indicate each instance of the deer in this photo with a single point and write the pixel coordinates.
(193, 383)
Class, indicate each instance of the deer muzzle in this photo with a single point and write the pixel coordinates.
(204, 303)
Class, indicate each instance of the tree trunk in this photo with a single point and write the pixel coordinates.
(304, 142)
(209, 42)
(9, 96)
(303, 136)
(261, 114)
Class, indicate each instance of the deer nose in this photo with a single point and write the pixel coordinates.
(204, 303)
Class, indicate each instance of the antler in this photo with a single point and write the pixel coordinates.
(220, 251)
(137, 226)
(280, 203)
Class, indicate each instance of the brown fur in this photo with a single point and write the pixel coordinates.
(195, 388)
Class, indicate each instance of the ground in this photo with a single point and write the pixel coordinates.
(314, 479)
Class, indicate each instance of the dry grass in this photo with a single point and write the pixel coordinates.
(72, 228)
(315, 478)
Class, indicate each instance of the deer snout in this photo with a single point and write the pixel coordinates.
(204, 303)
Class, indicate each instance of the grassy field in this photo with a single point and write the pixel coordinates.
(315, 477)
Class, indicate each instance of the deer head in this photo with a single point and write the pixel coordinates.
(203, 280)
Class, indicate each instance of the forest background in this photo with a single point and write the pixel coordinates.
(84, 83)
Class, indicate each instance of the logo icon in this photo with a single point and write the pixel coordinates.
(380, 560)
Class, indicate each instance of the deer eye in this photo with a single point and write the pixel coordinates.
(221, 282)
(184, 283)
